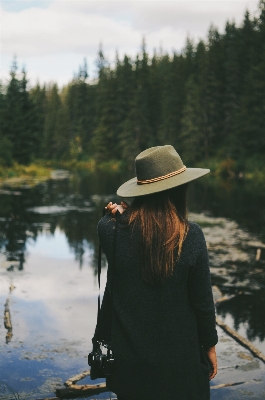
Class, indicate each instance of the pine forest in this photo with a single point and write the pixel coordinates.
(208, 101)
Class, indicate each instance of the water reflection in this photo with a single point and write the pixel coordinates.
(237, 256)
(240, 200)
(43, 226)
(247, 310)
(70, 204)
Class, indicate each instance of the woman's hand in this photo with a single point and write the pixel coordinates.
(211, 355)
(112, 208)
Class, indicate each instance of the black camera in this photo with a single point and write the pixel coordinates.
(101, 364)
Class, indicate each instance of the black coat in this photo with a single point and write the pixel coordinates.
(158, 331)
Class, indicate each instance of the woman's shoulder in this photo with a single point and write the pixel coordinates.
(194, 242)
(195, 232)
(194, 227)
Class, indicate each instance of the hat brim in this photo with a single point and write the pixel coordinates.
(132, 189)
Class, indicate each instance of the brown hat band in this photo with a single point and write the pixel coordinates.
(160, 178)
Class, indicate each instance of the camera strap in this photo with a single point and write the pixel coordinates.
(111, 276)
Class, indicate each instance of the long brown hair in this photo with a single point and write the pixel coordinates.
(162, 220)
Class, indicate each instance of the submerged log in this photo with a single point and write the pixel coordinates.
(218, 297)
(7, 322)
(75, 391)
(240, 339)
(7, 317)
(49, 398)
(258, 254)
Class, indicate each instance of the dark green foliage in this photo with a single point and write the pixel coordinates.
(38, 97)
(5, 144)
(80, 111)
(250, 123)
(51, 143)
(208, 101)
(17, 118)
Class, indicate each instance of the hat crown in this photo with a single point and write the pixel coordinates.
(157, 161)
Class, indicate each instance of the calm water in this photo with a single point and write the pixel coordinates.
(48, 262)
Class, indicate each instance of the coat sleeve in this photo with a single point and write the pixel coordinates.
(200, 293)
(106, 228)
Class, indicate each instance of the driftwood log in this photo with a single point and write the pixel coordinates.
(76, 378)
(75, 391)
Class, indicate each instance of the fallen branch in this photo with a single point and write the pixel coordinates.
(240, 339)
(75, 391)
(222, 385)
(76, 378)
(230, 366)
(226, 298)
(219, 297)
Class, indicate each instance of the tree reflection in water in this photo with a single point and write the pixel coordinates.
(247, 309)
(74, 205)
(30, 211)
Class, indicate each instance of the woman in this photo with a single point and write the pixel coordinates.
(163, 321)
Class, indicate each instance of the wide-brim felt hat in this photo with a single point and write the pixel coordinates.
(158, 168)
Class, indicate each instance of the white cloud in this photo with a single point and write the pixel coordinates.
(59, 30)
(75, 28)
(79, 26)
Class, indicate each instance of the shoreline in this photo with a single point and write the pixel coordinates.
(225, 170)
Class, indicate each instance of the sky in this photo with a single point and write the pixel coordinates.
(51, 38)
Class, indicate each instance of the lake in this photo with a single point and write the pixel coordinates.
(48, 279)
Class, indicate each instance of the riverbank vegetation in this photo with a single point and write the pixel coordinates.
(208, 101)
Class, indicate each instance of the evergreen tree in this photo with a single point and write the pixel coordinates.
(250, 123)
(189, 54)
(194, 135)
(173, 76)
(5, 144)
(247, 48)
(26, 141)
(126, 87)
(232, 82)
(38, 98)
(18, 117)
(144, 134)
(214, 74)
(79, 103)
(51, 143)
(105, 140)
